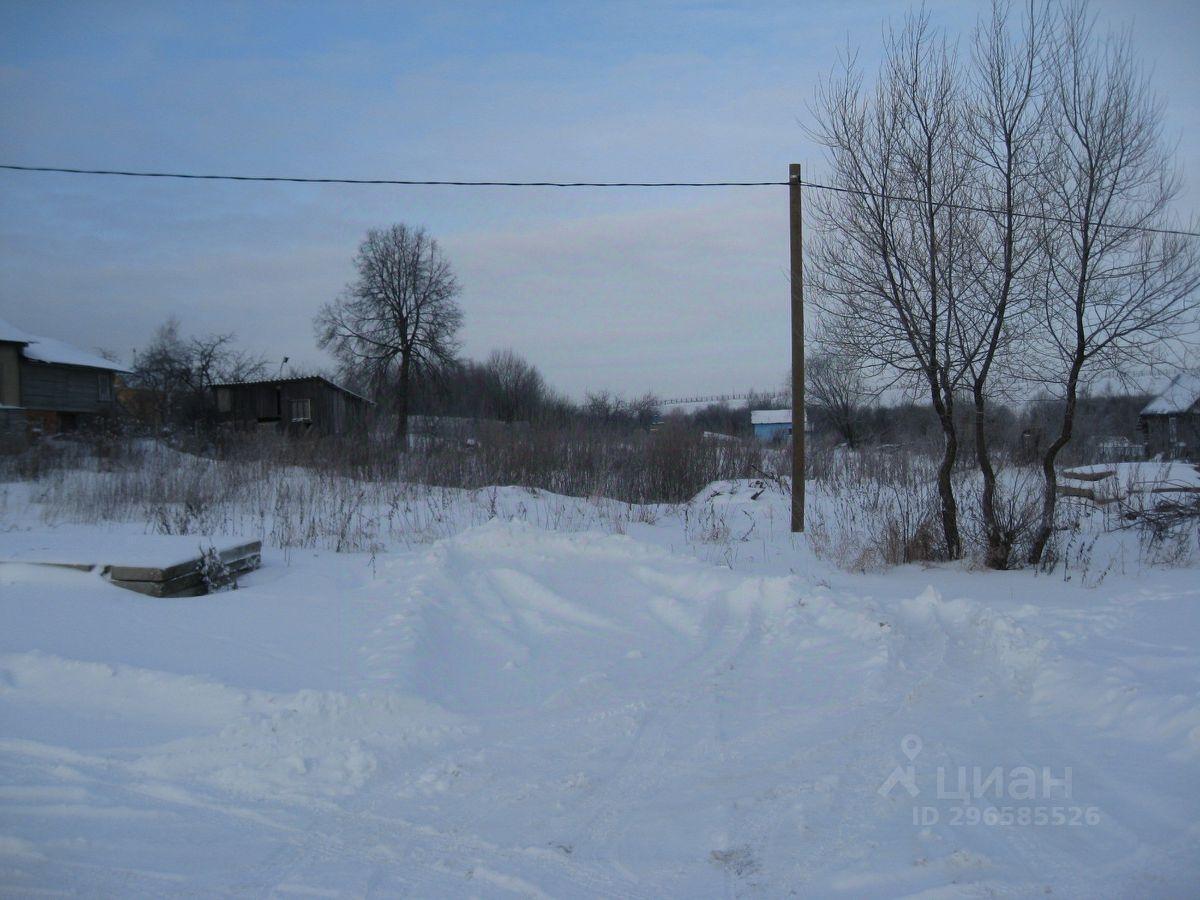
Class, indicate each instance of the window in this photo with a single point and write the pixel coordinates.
(224, 400)
(103, 386)
(301, 410)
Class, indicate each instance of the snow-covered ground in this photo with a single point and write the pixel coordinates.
(697, 707)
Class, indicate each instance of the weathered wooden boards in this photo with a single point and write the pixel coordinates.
(193, 577)
(1103, 485)
(1093, 474)
(151, 564)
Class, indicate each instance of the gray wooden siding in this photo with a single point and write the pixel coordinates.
(63, 388)
(333, 412)
(1180, 440)
(10, 375)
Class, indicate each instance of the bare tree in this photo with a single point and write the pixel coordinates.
(179, 371)
(162, 368)
(998, 224)
(1114, 297)
(612, 410)
(1006, 137)
(398, 318)
(514, 386)
(837, 386)
(887, 273)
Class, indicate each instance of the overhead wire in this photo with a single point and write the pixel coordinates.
(432, 182)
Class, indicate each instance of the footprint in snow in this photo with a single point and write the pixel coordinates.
(738, 860)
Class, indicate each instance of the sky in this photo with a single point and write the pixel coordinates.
(675, 291)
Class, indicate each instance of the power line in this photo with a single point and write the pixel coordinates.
(967, 207)
(397, 181)
(414, 182)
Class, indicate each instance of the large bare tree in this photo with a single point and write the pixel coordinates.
(398, 319)
(1116, 294)
(888, 272)
(1006, 136)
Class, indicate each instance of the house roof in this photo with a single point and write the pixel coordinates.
(12, 334)
(49, 350)
(52, 350)
(1181, 395)
(292, 380)
(771, 417)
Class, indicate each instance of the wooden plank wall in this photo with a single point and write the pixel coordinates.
(333, 412)
(10, 375)
(65, 388)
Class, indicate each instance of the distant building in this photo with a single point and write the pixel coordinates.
(47, 386)
(309, 404)
(771, 424)
(1171, 420)
(1120, 449)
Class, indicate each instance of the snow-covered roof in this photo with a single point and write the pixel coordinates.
(771, 417)
(10, 332)
(1180, 396)
(51, 350)
(291, 379)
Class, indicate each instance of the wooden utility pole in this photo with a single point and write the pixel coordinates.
(796, 227)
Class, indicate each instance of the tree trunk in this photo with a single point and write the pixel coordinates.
(402, 395)
(945, 485)
(999, 541)
(1050, 489)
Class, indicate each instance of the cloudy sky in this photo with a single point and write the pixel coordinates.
(675, 291)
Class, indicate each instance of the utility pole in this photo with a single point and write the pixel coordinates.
(796, 227)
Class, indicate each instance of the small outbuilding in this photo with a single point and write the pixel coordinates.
(1171, 421)
(771, 424)
(301, 405)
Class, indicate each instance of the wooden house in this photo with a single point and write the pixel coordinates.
(302, 405)
(48, 386)
(1171, 420)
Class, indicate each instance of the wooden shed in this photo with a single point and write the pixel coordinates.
(307, 404)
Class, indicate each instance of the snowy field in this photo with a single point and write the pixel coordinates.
(695, 707)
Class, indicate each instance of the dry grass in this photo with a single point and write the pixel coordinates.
(359, 495)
